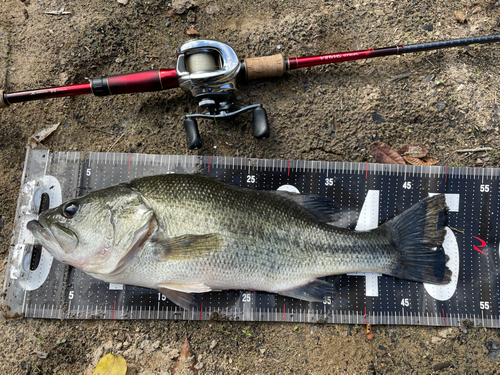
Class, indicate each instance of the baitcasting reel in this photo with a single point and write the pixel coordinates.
(208, 70)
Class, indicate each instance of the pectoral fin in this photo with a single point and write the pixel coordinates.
(185, 288)
(186, 247)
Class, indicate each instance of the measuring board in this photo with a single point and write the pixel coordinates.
(38, 286)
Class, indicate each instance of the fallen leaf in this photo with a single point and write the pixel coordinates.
(191, 31)
(183, 362)
(111, 364)
(173, 15)
(426, 160)
(414, 150)
(369, 333)
(384, 154)
(460, 16)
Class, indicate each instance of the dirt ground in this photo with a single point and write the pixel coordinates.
(445, 99)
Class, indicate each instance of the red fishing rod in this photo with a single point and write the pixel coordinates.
(209, 70)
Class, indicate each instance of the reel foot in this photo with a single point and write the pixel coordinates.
(192, 134)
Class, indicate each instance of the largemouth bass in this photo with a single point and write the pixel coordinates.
(185, 234)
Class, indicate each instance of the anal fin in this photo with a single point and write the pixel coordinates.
(315, 291)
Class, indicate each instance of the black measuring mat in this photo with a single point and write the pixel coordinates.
(368, 195)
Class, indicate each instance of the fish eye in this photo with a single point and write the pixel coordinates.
(70, 209)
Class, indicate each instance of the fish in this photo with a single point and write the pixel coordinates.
(183, 234)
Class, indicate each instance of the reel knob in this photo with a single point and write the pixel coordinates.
(192, 134)
(260, 124)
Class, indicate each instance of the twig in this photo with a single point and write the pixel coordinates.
(58, 12)
(467, 150)
(475, 149)
(120, 137)
(400, 76)
(456, 230)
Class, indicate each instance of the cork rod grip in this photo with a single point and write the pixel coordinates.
(265, 67)
(3, 103)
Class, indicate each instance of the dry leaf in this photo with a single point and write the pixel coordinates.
(369, 333)
(173, 15)
(426, 160)
(191, 31)
(460, 16)
(183, 362)
(414, 150)
(111, 364)
(384, 154)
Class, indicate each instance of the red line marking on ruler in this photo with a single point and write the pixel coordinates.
(209, 164)
(283, 312)
(289, 167)
(201, 311)
(365, 307)
(444, 321)
(114, 307)
(366, 176)
(129, 155)
(446, 174)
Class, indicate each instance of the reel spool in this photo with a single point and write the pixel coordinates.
(208, 70)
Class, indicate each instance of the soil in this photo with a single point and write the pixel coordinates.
(444, 99)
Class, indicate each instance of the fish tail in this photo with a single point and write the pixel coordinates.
(418, 235)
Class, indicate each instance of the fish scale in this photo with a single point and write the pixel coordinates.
(386, 190)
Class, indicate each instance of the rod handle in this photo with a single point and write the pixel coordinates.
(3, 103)
(265, 67)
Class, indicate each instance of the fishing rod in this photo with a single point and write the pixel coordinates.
(210, 71)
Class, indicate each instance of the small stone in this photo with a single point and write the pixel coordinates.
(119, 60)
(191, 17)
(455, 364)
(427, 79)
(437, 340)
(181, 6)
(212, 9)
(377, 118)
(464, 330)
(262, 351)
(23, 365)
(41, 355)
(479, 161)
(440, 106)
(460, 87)
(428, 27)
(213, 344)
(440, 366)
(446, 332)
(124, 2)
(126, 344)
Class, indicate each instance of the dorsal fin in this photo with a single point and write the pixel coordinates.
(322, 208)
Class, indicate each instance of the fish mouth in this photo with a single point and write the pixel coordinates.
(63, 241)
(44, 237)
